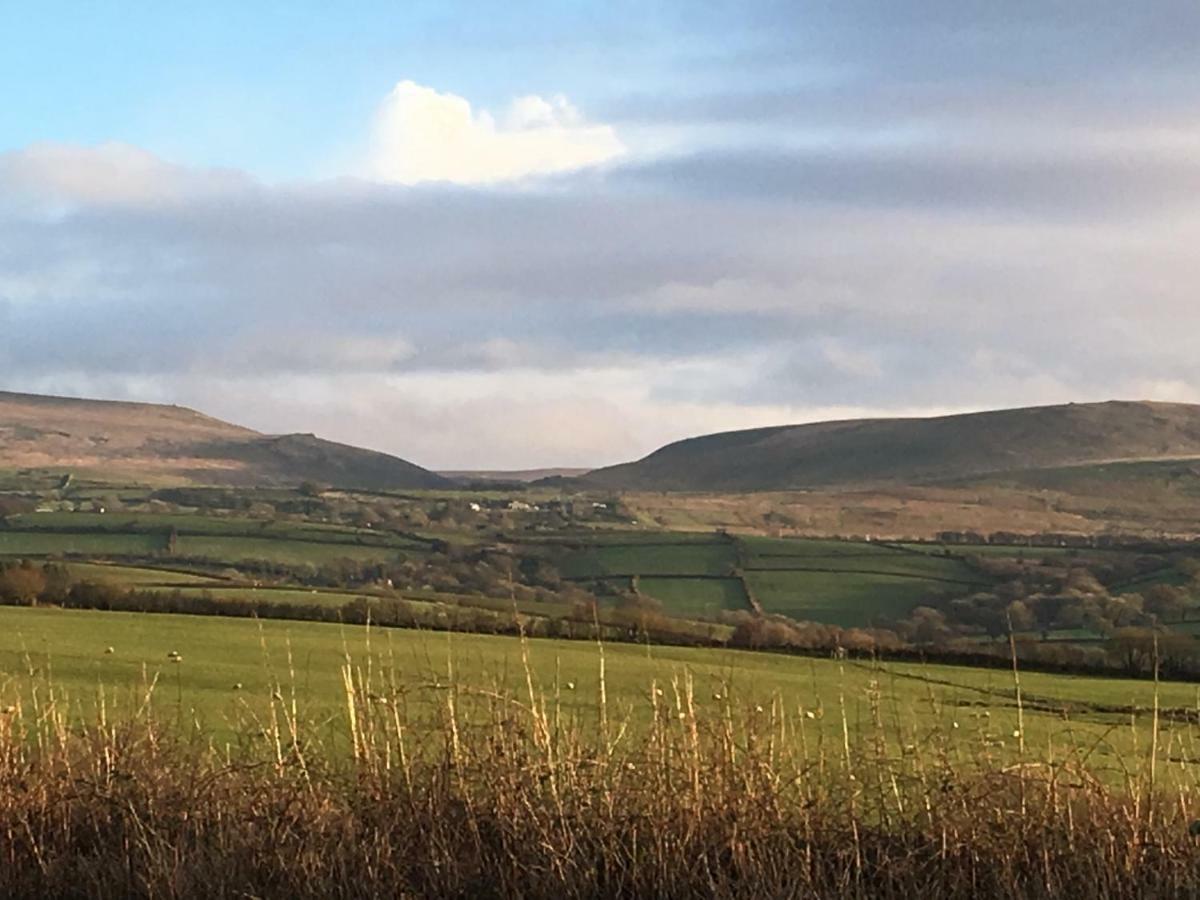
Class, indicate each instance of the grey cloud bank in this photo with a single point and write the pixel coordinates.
(962, 208)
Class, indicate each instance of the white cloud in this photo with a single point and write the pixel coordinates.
(422, 135)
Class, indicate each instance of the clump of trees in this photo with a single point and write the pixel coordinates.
(1044, 597)
(1070, 613)
(757, 631)
(26, 583)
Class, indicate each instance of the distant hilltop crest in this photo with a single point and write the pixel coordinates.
(877, 452)
(161, 443)
(512, 476)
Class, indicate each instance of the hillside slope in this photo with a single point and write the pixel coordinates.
(869, 452)
(151, 442)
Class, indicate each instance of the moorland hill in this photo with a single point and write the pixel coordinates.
(160, 443)
(875, 452)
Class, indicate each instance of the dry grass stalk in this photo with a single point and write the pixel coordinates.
(510, 794)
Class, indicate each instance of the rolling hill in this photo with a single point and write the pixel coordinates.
(151, 442)
(878, 452)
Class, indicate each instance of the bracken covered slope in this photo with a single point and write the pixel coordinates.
(151, 442)
(872, 452)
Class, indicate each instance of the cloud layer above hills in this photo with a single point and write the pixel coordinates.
(831, 211)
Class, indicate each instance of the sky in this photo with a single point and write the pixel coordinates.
(518, 235)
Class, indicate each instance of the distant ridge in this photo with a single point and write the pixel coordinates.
(514, 476)
(875, 452)
(154, 442)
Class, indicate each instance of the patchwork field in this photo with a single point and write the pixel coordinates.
(233, 538)
(840, 582)
(696, 578)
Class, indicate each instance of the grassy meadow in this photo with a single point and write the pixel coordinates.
(228, 668)
(153, 755)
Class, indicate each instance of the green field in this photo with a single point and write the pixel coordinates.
(687, 578)
(297, 596)
(44, 649)
(193, 523)
(1168, 576)
(229, 539)
(45, 543)
(949, 571)
(697, 575)
(630, 536)
(1014, 551)
(495, 604)
(238, 549)
(650, 559)
(839, 582)
(805, 547)
(695, 597)
(838, 598)
(216, 547)
(335, 599)
(135, 576)
(848, 583)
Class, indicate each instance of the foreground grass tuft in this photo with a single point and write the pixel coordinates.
(506, 793)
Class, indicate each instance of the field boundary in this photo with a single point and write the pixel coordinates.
(829, 571)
